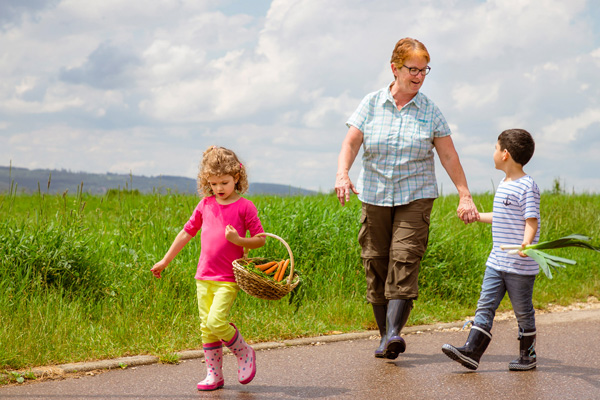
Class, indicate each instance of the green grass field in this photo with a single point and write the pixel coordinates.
(75, 277)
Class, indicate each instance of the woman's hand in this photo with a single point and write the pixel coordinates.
(343, 186)
(350, 148)
(467, 211)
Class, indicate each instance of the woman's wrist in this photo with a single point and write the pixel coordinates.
(465, 194)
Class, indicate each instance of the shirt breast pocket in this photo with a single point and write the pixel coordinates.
(420, 129)
(419, 139)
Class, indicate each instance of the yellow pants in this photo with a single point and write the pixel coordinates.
(215, 300)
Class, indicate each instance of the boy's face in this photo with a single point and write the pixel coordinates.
(500, 156)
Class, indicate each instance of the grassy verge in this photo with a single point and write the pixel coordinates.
(75, 280)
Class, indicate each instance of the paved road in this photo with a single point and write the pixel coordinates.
(568, 368)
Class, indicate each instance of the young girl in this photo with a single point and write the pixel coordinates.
(221, 215)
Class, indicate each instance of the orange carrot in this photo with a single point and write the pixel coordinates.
(273, 268)
(265, 266)
(279, 268)
(285, 265)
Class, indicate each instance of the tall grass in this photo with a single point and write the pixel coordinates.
(75, 281)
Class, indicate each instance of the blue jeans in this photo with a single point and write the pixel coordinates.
(520, 291)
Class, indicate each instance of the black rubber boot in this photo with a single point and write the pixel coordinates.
(471, 352)
(397, 315)
(527, 359)
(380, 312)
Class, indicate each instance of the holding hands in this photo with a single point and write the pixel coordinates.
(467, 211)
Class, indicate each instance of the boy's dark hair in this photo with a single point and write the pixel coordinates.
(519, 144)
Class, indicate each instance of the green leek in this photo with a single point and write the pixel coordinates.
(547, 261)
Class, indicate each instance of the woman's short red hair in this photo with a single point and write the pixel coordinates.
(406, 48)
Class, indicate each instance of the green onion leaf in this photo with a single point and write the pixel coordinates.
(556, 258)
(541, 261)
(574, 240)
(545, 260)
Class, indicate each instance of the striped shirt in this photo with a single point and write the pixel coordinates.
(514, 202)
(397, 162)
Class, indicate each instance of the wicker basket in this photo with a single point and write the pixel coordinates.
(259, 286)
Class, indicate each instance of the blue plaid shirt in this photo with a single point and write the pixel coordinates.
(397, 163)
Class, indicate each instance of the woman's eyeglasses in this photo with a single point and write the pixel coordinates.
(415, 71)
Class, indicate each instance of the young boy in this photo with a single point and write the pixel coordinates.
(515, 220)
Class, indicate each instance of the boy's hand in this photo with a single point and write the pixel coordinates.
(158, 268)
(520, 252)
(232, 234)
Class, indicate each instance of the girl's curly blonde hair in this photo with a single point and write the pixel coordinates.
(218, 161)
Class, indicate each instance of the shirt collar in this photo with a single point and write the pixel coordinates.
(417, 100)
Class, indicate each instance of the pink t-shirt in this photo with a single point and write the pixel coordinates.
(217, 253)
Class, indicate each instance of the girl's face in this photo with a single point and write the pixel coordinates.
(223, 186)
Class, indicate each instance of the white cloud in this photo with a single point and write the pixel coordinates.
(472, 97)
(328, 111)
(55, 100)
(155, 83)
(566, 130)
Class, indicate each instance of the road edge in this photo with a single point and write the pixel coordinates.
(64, 370)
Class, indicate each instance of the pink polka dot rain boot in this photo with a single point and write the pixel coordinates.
(213, 357)
(245, 355)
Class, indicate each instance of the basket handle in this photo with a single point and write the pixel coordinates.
(287, 246)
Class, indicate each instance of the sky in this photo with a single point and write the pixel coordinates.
(145, 86)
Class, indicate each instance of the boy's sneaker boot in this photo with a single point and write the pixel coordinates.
(213, 357)
(380, 312)
(397, 315)
(527, 359)
(245, 355)
(471, 352)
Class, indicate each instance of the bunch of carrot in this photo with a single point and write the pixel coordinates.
(277, 268)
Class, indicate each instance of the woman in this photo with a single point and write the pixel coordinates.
(398, 128)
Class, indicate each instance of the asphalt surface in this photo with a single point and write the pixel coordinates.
(343, 367)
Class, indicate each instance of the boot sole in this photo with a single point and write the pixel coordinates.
(394, 348)
(457, 356)
(380, 351)
(519, 367)
(211, 387)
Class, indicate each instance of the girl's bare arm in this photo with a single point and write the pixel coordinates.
(179, 243)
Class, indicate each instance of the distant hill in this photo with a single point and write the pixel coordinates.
(30, 181)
